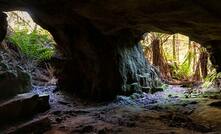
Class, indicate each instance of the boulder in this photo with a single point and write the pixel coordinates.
(13, 83)
(22, 106)
(35, 126)
(215, 104)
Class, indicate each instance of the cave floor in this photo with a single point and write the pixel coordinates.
(167, 112)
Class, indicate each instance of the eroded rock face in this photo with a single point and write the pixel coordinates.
(22, 106)
(13, 79)
(96, 37)
(3, 26)
(101, 66)
(13, 82)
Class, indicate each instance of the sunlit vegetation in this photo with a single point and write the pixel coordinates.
(32, 41)
(33, 45)
(28, 47)
(213, 79)
(177, 57)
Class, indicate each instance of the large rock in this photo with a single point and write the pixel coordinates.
(99, 38)
(13, 82)
(22, 106)
(99, 71)
(35, 126)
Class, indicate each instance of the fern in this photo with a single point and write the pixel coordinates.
(211, 78)
(32, 45)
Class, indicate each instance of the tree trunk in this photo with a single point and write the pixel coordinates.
(157, 57)
(189, 53)
(174, 48)
(197, 76)
(159, 60)
(194, 56)
(203, 63)
(177, 49)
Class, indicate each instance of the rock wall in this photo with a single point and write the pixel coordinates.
(97, 37)
(13, 79)
(99, 66)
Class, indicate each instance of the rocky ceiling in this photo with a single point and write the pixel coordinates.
(199, 19)
(99, 36)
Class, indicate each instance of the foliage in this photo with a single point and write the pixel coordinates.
(183, 71)
(33, 45)
(183, 59)
(27, 47)
(153, 43)
(148, 39)
(211, 78)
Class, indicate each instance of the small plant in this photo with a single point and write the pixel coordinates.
(183, 72)
(211, 79)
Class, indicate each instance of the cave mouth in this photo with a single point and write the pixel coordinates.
(177, 57)
(104, 62)
(180, 61)
(26, 56)
(175, 69)
(90, 71)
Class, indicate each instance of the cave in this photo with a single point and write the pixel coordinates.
(83, 31)
(100, 55)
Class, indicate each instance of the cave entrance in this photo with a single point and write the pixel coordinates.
(180, 60)
(26, 55)
(97, 66)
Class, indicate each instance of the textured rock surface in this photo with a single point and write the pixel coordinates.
(101, 67)
(12, 84)
(22, 106)
(3, 26)
(188, 17)
(163, 112)
(13, 80)
(90, 34)
(32, 126)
